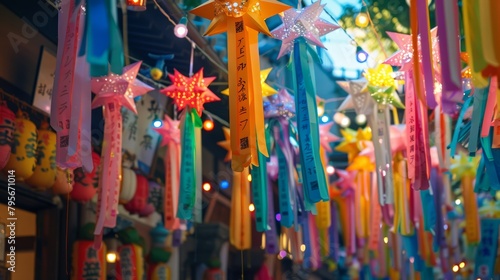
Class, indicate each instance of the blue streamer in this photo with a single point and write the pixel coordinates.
(454, 140)
(480, 100)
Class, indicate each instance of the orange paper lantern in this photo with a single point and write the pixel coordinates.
(23, 154)
(7, 129)
(44, 175)
(85, 184)
(88, 263)
(131, 262)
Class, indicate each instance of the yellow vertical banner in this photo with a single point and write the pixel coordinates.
(240, 228)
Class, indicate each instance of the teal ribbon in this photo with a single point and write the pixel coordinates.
(259, 192)
(283, 189)
(187, 192)
(480, 100)
(487, 249)
(459, 125)
(314, 182)
(102, 41)
(428, 210)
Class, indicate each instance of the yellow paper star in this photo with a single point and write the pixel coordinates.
(361, 163)
(463, 165)
(226, 144)
(267, 90)
(381, 76)
(253, 13)
(352, 143)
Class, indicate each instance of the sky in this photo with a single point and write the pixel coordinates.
(339, 46)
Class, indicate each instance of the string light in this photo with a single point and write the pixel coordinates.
(224, 184)
(249, 177)
(111, 257)
(330, 170)
(386, 239)
(362, 20)
(207, 187)
(157, 123)
(180, 29)
(458, 201)
(278, 217)
(455, 268)
(303, 248)
(360, 119)
(462, 265)
(361, 55)
(325, 118)
(208, 125)
(345, 122)
(136, 5)
(251, 207)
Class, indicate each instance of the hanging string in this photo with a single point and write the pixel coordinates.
(377, 35)
(191, 61)
(222, 68)
(125, 32)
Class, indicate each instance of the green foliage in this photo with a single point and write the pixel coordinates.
(386, 15)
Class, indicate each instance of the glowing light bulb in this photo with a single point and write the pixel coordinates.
(325, 118)
(330, 170)
(386, 239)
(338, 117)
(251, 207)
(208, 125)
(462, 265)
(345, 122)
(361, 119)
(207, 187)
(458, 201)
(362, 20)
(224, 184)
(157, 123)
(455, 268)
(181, 30)
(111, 257)
(361, 55)
(303, 248)
(278, 217)
(249, 177)
(321, 110)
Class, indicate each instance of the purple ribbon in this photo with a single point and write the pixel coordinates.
(271, 234)
(334, 233)
(447, 22)
(423, 25)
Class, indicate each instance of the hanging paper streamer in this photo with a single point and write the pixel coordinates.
(113, 92)
(464, 169)
(382, 87)
(473, 42)
(426, 51)
(189, 93)
(271, 233)
(295, 38)
(447, 22)
(71, 103)
(487, 249)
(243, 21)
(102, 41)
(171, 137)
(240, 224)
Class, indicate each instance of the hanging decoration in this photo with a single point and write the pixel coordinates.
(140, 198)
(170, 137)
(44, 174)
(88, 263)
(128, 185)
(64, 181)
(240, 223)
(382, 88)
(23, 154)
(298, 29)
(113, 92)
(278, 111)
(86, 184)
(7, 130)
(71, 101)
(189, 95)
(243, 20)
(158, 268)
(130, 264)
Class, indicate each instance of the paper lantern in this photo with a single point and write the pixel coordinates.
(140, 198)
(23, 154)
(64, 181)
(128, 186)
(44, 175)
(130, 264)
(160, 271)
(88, 263)
(7, 129)
(85, 186)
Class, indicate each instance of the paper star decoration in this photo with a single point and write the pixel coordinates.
(346, 178)
(279, 105)
(253, 13)
(226, 144)
(463, 165)
(398, 142)
(306, 24)
(382, 86)
(267, 90)
(358, 99)
(169, 131)
(352, 142)
(404, 56)
(192, 92)
(326, 137)
(121, 89)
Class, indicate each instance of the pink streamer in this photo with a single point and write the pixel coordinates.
(315, 250)
(490, 107)
(109, 180)
(376, 217)
(172, 171)
(423, 24)
(351, 247)
(411, 124)
(63, 91)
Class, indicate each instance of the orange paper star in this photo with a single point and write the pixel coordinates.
(226, 144)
